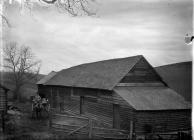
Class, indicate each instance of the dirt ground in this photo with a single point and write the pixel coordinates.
(22, 126)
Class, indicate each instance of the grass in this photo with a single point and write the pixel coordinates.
(32, 129)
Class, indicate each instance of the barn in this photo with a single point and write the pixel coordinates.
(41, 87)
(124, 93)
(3, 104)
(178, 76)
(3, 98)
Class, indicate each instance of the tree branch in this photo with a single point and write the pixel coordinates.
(6, 20)
(22, 64)
(84, 8)
(48, 1)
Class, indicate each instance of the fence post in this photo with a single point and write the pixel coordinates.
(3, 121)
(90, 128)
(131, 130)
(179, 135)
(50, 119)
(60, 107)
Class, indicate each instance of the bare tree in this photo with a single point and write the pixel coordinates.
(74, 7)
(5, 20)
(22, 63)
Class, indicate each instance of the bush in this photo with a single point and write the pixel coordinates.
(10, 125)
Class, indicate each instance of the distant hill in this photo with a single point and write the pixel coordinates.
(28, 89)
(178, 76)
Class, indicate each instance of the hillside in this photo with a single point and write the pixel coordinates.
(28, 89)
(179, 77)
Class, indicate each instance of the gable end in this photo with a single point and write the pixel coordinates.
(143, 72)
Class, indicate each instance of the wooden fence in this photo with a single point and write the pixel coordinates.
(82, 125)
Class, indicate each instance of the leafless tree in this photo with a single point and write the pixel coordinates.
(74, 7)
(5, 20)
(22, 63)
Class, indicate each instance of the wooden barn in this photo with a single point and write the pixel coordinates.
(3, 98)
(3, 104)
(125, 93)
(178, 76)
(41, 87)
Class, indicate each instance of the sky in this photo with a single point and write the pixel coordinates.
(120, 28)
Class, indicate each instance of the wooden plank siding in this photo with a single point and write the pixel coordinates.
(55, 94)
(100, 110)
(3, 100)
(126, 115)
(142, 72)
(99, 104)
(162, 121)
(93, 95)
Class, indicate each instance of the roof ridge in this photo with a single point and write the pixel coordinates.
(102, 61)
(172, 64)
(103, 74)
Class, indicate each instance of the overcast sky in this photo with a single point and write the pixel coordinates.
(121, 28)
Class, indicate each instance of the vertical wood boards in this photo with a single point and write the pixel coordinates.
(99, 103)
(3, 106)
(3, 100)
(126, 115)
(141, 72)
(103, 111)
(116, 116)
(51, 95)
(163, 121)
(82, 106)
(131, 130)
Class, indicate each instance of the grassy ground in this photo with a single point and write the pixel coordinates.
(24, 127)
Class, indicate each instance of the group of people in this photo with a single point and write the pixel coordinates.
(39, 104)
